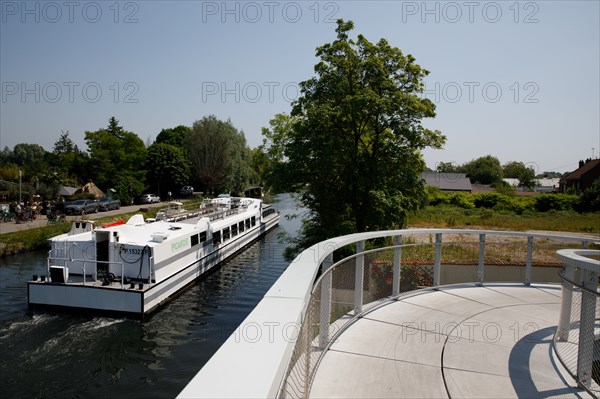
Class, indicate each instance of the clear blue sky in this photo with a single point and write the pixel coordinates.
(518, 80)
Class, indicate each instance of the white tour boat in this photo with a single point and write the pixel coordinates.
(132, 268)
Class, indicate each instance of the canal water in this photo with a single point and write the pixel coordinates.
(51, 355)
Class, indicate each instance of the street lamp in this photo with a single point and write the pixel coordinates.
(19, 185)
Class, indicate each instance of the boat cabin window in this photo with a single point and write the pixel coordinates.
(216, 237)
(226, 234)
(268, 212)
(194, 239)
(203, 236)
(247, 223)
(234, 230)
(253, 221)
(241, 226)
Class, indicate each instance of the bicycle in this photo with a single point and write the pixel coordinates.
(56, 218)
(7, 217)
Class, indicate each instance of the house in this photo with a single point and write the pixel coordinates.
(66, 191)
(582, 178)
(446, 181)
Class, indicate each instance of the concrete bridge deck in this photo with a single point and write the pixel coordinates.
(464, 341)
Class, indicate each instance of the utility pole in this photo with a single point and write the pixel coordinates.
(19, 185)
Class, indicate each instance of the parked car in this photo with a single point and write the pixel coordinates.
(149, 198)
(107, 204)
(186, 191)
(81, 207)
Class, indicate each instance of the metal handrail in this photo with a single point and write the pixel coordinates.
(575, 337)
(321, 293)
(84, 261)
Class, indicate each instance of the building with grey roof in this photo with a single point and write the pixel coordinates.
(446, 181)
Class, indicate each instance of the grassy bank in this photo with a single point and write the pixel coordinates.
(440, 215)
(453, 216)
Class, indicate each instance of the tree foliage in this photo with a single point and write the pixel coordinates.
(276, 139)
(354, 144)
(176, 136)
(484, 170)
(168, 167)
(219, 157)
(118, 155)
(448, 167)
(518, 170)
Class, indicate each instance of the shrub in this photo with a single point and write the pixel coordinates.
(464, 200)
(492, 200)
(590, 198)
(503, 187)
(436, 197)
(558, 202)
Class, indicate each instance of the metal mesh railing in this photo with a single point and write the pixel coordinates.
(368, 279)
(581, 359)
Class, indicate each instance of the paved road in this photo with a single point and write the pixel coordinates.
(43, 221)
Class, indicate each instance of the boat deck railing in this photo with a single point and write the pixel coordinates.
(302, 315)
(212, 212)
(86, 271)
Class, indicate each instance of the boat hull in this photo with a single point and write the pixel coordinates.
(137, 299)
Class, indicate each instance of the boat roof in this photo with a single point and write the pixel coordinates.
(138, 232)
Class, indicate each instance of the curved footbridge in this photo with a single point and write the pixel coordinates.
(464, 341)
(421, 313)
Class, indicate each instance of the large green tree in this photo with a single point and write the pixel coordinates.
(168, 167)
(276, 139)
(220, 159)
(68, 163)
(355, 147)
(176, 136)
(118, 158)
(484, 170)
(518, 170)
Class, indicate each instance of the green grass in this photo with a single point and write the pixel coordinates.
(452, 216)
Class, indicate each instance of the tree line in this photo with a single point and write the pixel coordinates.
(488, 170)
(211, 155)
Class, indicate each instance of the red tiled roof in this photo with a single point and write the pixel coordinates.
(576, 175)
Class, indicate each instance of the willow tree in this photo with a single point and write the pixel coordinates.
(219, 155)
(355, 148)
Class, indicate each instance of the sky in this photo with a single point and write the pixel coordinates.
(516, 80)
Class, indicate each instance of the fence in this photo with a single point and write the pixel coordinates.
(369, 278)
(577, 338)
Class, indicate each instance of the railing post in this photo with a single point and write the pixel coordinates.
(437, 266)
(325, 302)
(308, 338)
(481, 261)
(397, 266)
(585, 355)
(359, 277)
(529, 263)
(565, 305)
